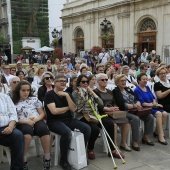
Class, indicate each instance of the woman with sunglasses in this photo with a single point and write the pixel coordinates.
(13, 83)
(30, 120)
(109, 108)
(81, 96)
(38, 75)
(126, 100)
(47, 85)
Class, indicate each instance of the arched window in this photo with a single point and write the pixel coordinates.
(148, 25)
(79, 33)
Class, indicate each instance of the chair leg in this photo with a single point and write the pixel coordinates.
(57, 149)
(37, 146)
(8, 153)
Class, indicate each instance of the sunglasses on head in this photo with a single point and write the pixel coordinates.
(85, 82)
(47, 78)
(15, 82)
(103, 79)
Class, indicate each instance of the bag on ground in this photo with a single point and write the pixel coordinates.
(77, 152)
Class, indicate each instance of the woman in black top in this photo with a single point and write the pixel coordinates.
(162, 89)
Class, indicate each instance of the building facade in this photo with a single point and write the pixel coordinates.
(135, 24)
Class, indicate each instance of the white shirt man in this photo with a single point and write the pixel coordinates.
(103, 56)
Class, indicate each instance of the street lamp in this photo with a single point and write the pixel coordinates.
(55, 34)
(105, 28)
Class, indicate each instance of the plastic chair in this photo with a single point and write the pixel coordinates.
(57, 147)
(6, 149)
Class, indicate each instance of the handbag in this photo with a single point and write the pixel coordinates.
(90, 118)
(157, 108)
(77, 152)
(119, 114)
(143, 111)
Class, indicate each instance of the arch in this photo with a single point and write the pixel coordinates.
(78, 35)
(146, 29)
(142, 20)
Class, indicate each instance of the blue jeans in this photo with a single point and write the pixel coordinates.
(15, 141)
(64, 127)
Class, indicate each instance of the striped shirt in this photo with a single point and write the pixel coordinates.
(7, 110)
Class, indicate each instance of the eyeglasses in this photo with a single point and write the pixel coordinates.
(162, 73)
(15, 82)
(124, 80)
(13, 70)
(103, 79)
(85, 82)
(47, 78)
(42, 68)
(6, 68)
(62, 81)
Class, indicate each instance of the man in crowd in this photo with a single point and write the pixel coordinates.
(9, 135)
(103, 57)
(59, 107)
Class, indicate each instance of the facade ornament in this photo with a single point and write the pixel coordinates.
(123, 14)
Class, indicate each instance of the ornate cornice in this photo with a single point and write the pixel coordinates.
(124, 14)
(66, 25)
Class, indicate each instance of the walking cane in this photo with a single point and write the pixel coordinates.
(99, 117)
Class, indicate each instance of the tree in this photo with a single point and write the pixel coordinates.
(55, 42)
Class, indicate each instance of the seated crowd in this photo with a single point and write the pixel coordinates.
(53, 97)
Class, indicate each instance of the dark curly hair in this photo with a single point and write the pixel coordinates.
(16, 92)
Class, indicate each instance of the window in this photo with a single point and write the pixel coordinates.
(148, 25)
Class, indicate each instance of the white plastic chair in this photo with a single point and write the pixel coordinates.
(6, 149)
(57, 147)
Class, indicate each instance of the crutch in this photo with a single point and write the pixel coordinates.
(99, 117)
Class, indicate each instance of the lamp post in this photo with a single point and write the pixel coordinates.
(55, 34)
(105, 28)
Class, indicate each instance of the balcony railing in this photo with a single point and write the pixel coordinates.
(4, 21)
(3, 3)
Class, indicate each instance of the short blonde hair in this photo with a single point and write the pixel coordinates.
(38, 69)
(118, 77)
(159, 69)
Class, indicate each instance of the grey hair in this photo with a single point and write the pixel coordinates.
(123, 68)
(59, 76)
(98, 76)
(11, 79)
(44, 74)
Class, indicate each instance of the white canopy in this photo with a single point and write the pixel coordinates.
(45, 48)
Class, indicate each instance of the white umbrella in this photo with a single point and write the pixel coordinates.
(45, 48)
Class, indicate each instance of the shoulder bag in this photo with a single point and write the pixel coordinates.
(140, 112)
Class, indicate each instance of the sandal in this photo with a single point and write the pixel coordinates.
(126, 148)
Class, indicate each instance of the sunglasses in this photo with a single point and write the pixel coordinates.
(62, 81)
(103, 79)
(13, 70)
(15, 82)
(47, 78)
(6, 68)
(85, 82)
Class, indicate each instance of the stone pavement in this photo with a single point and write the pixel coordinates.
(149, 158)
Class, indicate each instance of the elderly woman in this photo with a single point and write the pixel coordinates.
(147, 99)
(13, 83)
(81, 96)
(30, 120)
(126, 100)
(109, 108)
(129, 78)
(162, 89)
(47, 85)
(38, 75)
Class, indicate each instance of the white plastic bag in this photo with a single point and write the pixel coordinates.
(77, 152)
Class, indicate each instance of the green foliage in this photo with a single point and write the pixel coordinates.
(17, 45)
(105, 36)
(29, 19)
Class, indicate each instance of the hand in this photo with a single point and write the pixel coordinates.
(138, 104)
(8, 130)
(154, 103)
(35, 119)
(30, 122)
(62, 93)
(90, 90)
(159, 105)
